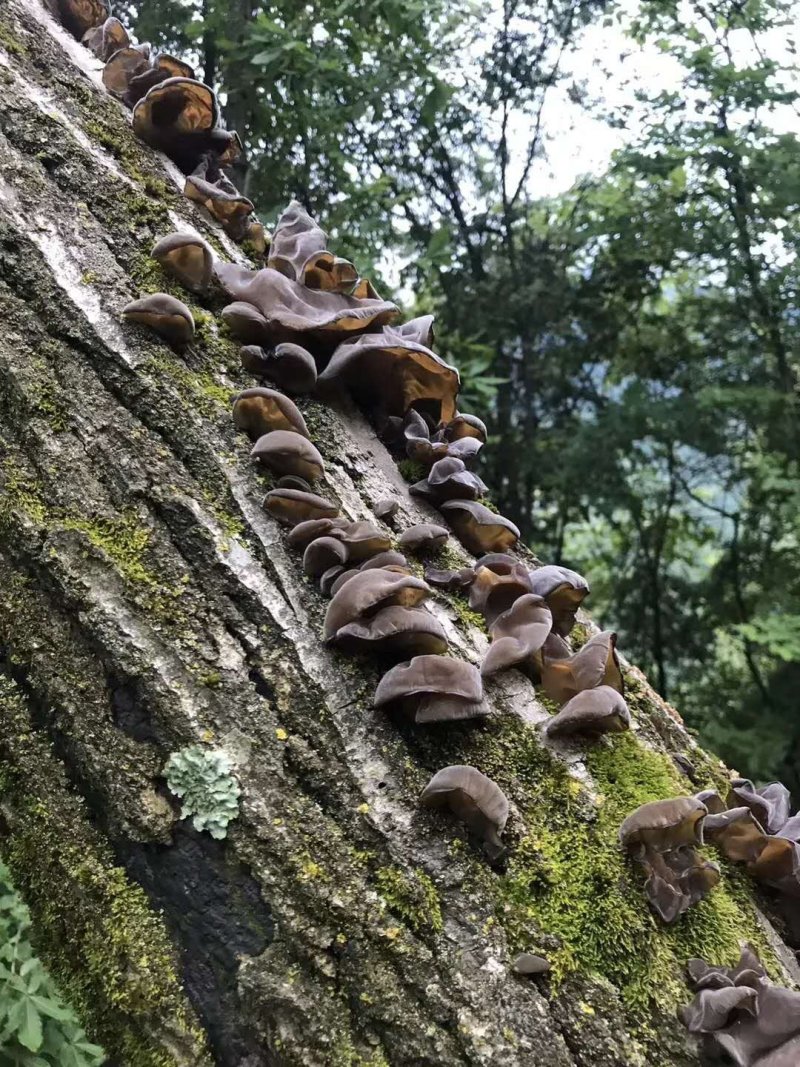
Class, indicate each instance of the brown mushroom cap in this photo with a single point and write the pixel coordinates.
(462, 426)
(433, 688)
(106, 39)
(528, 964)
(386, 508)
(177, 105)
(474, 799)
(187, 257)
(223, 202)
(601, 710)
(291, 507)
(478, 529)
(299, 251)
(401, 631)
(158, 70)
(246, 323)
(369, 591)
(80, 16)
(594, 664)
(416, 436)
(391, 370)
(662, 825)
(735, 831)
(286, 452)
(295, 313)
(163, 313)
(259, 411)
(424, 538)
(124, 65)
(306, 531)
(677, 879)
(363, 540)
(517, 634)
(494, 589)
(289, 366)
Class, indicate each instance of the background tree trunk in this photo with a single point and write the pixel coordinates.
(148, 602)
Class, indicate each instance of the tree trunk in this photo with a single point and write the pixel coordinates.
(148, 602)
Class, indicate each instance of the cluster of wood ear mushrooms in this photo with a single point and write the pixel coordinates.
(309, 323)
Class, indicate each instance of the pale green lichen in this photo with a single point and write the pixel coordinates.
(204, 781)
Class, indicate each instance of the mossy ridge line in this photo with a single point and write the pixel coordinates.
(125, 981)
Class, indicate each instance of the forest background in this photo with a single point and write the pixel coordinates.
(631, 340)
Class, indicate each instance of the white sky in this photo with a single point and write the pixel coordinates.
(610, 65)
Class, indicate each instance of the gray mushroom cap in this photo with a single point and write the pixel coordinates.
(424, 538)
(246, 323)
(401, 630)
(495, 587)
(386, 508)
(474, 799)
(299, 251)
(433, 688)
(286, 452)
(663, 825)
(529, 964)
(770, 804)
(517, 634)
(736, 832)
(367, 592)
(478, 529)
(222, 201)
(322, 554)
(389, 558)
(593, 711)
(188, 258)
(462, 426)
(289, 366)
(307, 530)
(295, 313)
(291, 507)
(564, 590)
(259, 411)
(163, 313)
(449, 479)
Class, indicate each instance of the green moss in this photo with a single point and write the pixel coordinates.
(20, 492)
(412, 896)
(460, 603)
(123, 147)
(10, 42)
(127, 544)
(199, 388)
(411, 470)
(569, 877)
(108, 951)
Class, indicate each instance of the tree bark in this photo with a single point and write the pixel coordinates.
(147, 602)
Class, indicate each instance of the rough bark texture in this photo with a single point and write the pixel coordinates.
(148, 602)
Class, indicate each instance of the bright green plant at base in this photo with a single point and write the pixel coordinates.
(209, 791)
(37, 1028)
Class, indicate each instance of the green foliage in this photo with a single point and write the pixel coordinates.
(36, 1027)
(209, 791)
